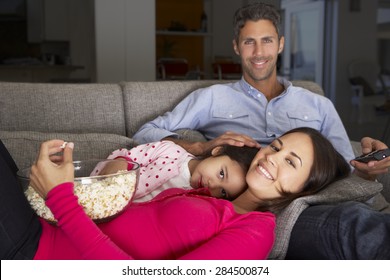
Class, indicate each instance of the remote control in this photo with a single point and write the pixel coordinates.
(375, 155)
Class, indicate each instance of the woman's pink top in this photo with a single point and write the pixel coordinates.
(177, 224)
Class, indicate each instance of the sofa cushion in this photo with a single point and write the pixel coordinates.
(70, 108)
(352, 188)
(24, 145)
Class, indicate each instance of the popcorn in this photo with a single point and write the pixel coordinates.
(63, 145)
(100, 198)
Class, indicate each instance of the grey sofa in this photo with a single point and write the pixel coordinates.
(100, 118)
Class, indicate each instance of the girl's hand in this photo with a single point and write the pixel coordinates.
(51, 170)
(114, 166)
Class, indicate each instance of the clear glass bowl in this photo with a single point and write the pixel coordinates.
(103, 197)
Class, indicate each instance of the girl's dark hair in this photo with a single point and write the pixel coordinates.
(242, 155)
(255, 12)
(328, 167)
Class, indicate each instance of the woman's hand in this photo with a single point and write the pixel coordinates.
(51, 169)
(371, 169)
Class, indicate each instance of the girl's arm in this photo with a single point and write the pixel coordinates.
(159, 162)
(139, 154)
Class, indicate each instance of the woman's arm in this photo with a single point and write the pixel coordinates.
(250, 238)
(84, 234)
(52, 177)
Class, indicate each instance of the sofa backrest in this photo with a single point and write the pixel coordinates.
(94, 108)
(97, 117)
(72, 108)
(309, 85)
(144, 101)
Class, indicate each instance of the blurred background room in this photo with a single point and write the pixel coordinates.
(343, 45)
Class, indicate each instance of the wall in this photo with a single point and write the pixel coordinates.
(125, 40)
(222, 20)
(82, 39)
(356, 39)
(180, 16)
(223, 27)
(119, 58)
(133, 57)
(125, 53)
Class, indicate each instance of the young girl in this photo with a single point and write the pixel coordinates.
(165, 165)
(177, 223)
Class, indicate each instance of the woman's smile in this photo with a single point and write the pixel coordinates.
(263, 171)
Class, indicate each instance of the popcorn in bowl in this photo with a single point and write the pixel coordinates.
(102, 196)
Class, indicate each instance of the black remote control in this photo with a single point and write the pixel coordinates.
(375, 155)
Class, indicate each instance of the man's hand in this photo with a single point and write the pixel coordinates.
(373, 168)
(229, 138)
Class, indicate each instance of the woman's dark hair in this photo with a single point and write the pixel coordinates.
(255, 12)
(328, 167)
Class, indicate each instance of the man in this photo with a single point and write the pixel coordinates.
(261, 107)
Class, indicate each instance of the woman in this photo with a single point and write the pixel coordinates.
(180, 224)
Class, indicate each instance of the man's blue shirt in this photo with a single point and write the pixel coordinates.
(240, 108)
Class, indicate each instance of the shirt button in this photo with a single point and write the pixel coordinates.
(269, 113)
(259, 95)
(305, 117)
(230, 116)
